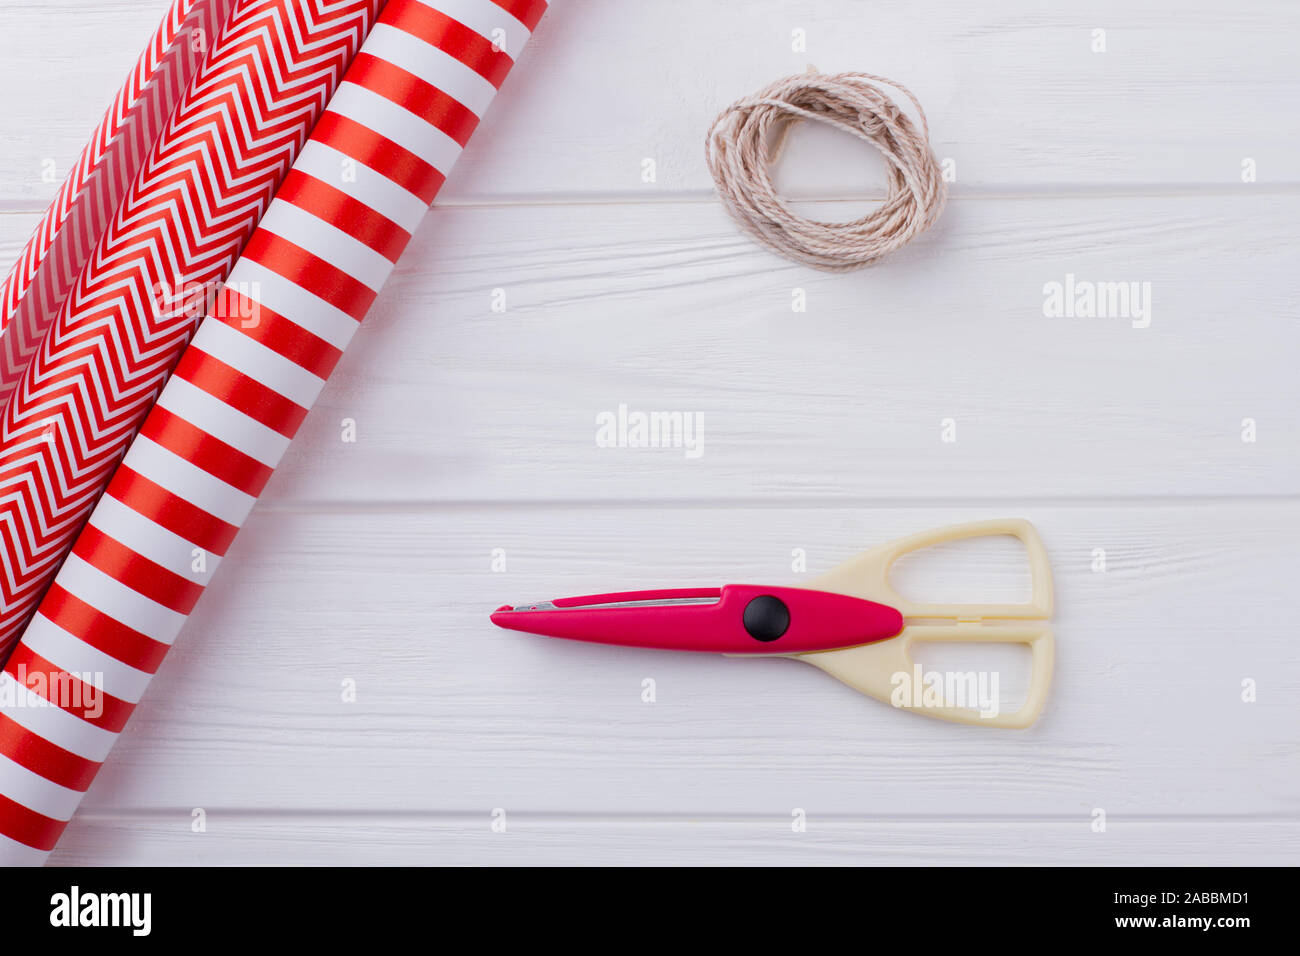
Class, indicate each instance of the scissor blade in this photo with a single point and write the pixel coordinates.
(619, 599)
(552, 606)
(646, 623)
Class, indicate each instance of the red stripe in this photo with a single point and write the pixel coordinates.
(450, 36)
(27, 826)
(335, 206)
(527, 12)
(188, 441)
(102, 632)
(115, 711)
(38, 755)
(283, 336)
(240, 391)
(380, 153)
(412, 93)
(310, 272)
(136, 571)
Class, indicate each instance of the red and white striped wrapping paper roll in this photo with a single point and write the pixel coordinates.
(198, 197)
(53, 257)
(324, 248)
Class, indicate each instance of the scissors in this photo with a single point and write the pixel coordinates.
(850, 622)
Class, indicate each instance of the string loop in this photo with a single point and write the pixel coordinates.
(745, 139)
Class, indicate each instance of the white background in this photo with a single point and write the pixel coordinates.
(371, 561)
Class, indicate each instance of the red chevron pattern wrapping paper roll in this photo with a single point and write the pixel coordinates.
(180, 227)
(325, 247)
(52, 259)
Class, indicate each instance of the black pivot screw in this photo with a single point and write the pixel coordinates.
(766, 618)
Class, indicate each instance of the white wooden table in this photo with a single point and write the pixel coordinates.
(372, 561)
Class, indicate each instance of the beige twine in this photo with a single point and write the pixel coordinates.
(747, 137)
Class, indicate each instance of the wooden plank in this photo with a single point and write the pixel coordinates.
(669, 309)
(467, 839)
(1015, 94)
(15, 227)
(1146, 715)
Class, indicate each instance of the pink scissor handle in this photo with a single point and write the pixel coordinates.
(745, 619)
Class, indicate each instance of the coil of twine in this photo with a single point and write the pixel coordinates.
(746, 138)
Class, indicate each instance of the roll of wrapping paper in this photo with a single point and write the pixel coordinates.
(53, 257)
(326, 245)
(199, 194)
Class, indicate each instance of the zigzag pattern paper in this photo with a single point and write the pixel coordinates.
(307, 277)
(182, 223)
(54, 256)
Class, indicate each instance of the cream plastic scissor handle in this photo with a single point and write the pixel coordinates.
(867, 575)
(875, 669)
